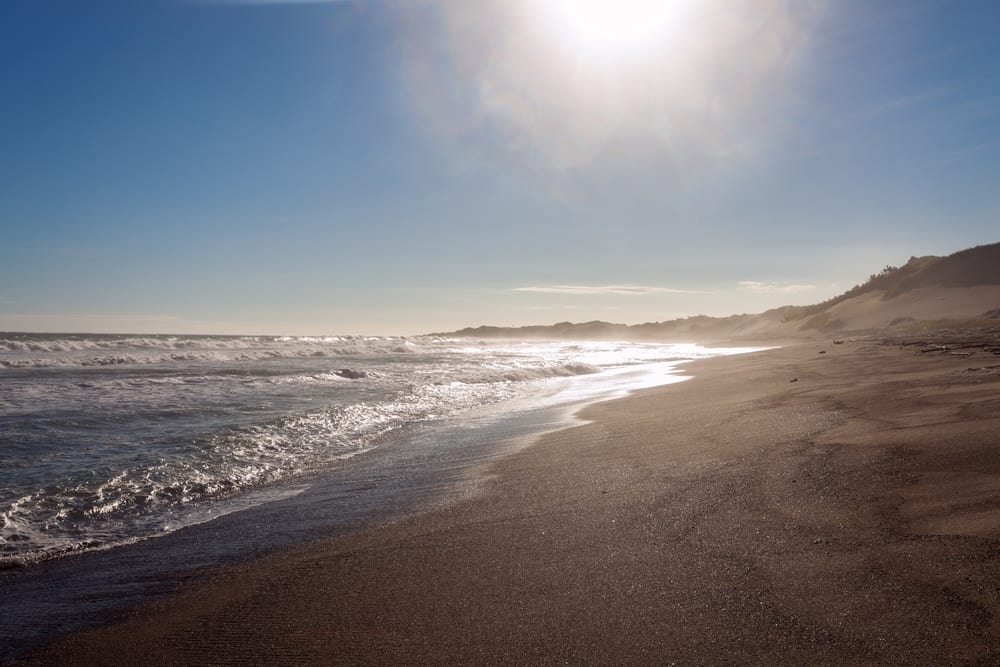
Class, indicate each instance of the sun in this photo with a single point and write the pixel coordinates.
(567, 85)
(614, 28)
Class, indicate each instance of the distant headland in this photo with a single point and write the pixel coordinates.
(961, 290)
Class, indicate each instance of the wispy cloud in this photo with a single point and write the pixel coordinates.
(905, 102)
(774, 288)
(959, 154)
(598, 290)
(537, 309)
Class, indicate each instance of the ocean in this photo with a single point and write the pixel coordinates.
(106, 439)
(253, 442)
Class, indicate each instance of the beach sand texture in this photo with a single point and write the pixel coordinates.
(782, 507)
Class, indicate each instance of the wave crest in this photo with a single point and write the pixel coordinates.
(96, 351)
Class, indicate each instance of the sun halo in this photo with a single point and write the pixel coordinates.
(609, 29)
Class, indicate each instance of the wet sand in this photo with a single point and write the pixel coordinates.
(782, 507)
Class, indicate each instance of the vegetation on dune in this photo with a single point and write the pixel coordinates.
(966, 268)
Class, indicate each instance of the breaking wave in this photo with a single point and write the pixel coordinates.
(86, 352)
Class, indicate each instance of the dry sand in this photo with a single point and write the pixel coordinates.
(849, 517)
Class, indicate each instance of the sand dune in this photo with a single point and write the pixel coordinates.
(875, 312)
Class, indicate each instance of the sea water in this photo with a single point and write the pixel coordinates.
(110, 439)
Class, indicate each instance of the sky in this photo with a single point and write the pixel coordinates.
(408, 166)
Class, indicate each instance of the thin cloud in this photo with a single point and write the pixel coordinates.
(598, 290)
(774, 288)
(960, 154)
(538, 309)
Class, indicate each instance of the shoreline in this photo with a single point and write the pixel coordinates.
(257, 444)
(420, 467)
(781, 506)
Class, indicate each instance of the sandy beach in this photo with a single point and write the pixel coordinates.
(499, 332)
(815, 504)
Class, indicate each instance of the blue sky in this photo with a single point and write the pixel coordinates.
(404, 166)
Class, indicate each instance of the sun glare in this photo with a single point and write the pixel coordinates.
(569, 83)
(611, 28)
